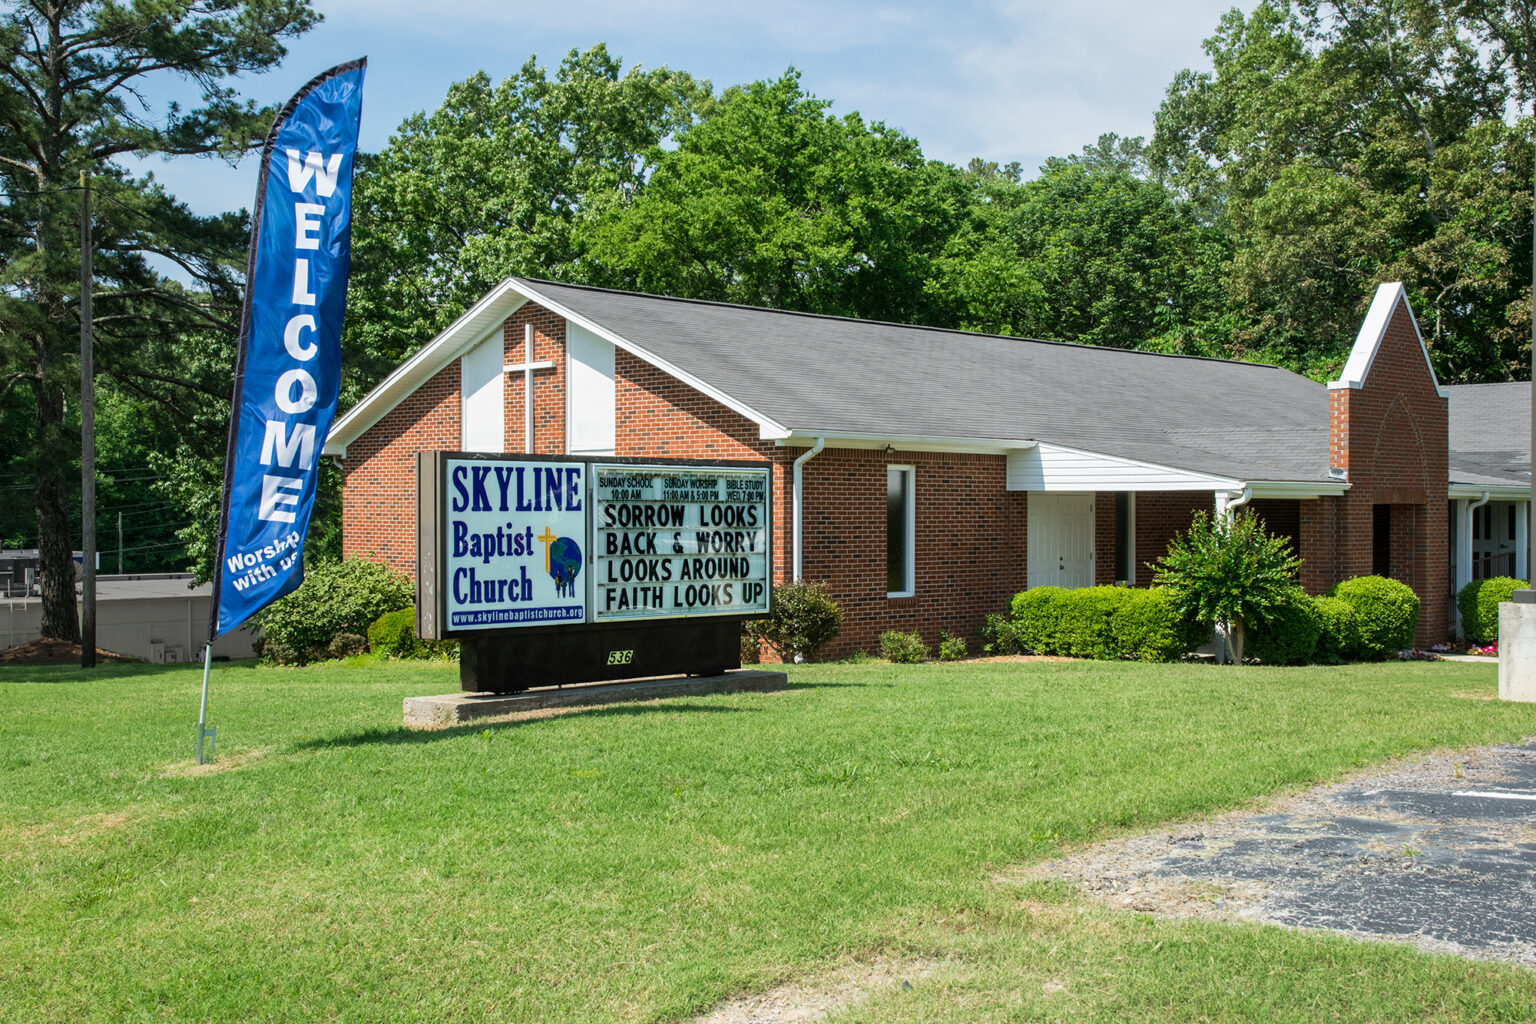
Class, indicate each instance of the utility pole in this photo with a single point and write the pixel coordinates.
(119, 543)
(87, 441)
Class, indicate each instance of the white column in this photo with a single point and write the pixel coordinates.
(1463, 547)
(1522, 535)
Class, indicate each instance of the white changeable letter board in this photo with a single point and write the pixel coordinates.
(515, 538)
(675, 541)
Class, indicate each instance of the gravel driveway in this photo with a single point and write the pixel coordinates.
(1440, 852)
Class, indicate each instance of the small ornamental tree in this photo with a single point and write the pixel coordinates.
(804, 619)
(1229, 571)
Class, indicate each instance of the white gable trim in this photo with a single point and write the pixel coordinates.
(1368, 342)
(457, 338)
(661, 364)
(460, 336)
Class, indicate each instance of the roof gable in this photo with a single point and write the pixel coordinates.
(1390, 302)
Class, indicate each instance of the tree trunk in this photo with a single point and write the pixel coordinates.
(1229, 641)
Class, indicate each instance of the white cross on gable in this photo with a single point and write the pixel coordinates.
(527, 366)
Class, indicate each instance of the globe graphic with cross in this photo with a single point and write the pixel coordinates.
(565, 565)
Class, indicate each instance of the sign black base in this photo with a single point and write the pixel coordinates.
(517, 660)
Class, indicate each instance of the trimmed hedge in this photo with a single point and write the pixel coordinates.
(1386, 615)
(1289, 633)
(1338, 630)
(1107, 623)
(1479, 601)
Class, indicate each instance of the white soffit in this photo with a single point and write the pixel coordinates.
(1053, 467)
(1368, 341)
(1474, 492)
(901, 442)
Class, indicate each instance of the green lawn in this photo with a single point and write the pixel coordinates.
(642, 862)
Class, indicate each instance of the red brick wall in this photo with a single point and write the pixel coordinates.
(548, 385)
(1160, 515)
(1390, 434)
(378, 503)
(970, 556)
(1104, 523)
(658, 416)
(1315, 544)
(970, 530)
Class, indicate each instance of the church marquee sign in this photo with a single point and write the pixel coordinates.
(565, 569)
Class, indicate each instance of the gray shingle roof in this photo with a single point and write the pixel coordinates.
(1490, 434)
(818, 373)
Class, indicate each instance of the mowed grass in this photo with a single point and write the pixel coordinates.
(644, 861)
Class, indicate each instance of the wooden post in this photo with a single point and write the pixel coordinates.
(87, 441)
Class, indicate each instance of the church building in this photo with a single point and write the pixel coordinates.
(928, 475)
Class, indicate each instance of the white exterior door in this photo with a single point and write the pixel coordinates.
(1060, 540)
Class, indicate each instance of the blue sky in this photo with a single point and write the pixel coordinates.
(1020, 80)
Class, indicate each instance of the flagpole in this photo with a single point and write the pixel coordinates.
(202, 712)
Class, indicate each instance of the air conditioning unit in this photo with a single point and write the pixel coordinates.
(157, 651)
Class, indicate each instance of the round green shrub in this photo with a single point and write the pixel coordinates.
(1479, 602)
(998, 635)
(335, 598)
(803, 619)
(345, 645)
(1148, 626)
(1229, 571)
(1289, 633)
(393, 634)
(951, 648)
(903, 648)
(1386, 615)
(1338, 632)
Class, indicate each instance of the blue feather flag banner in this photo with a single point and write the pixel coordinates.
(288, 370)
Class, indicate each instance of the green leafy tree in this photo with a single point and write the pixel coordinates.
(1088, 252)
(530, 162)
(1344, 143)
(1229, 571)
(771, 200)
(75, 75)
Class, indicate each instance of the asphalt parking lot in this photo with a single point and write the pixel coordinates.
(1440, 852)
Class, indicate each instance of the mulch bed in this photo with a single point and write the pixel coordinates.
(48, 651)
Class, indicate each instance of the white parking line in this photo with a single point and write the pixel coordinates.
(1495, 795)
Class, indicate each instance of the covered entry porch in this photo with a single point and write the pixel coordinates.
(1096, 520)
(1489, 535)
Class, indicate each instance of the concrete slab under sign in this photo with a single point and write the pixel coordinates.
(457, 708)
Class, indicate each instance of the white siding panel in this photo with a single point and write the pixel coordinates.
(484, 427)
(1048, 467)
(589, 398)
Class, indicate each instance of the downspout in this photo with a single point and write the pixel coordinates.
(1472, 508)
(795, 542)
(1226, 507)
